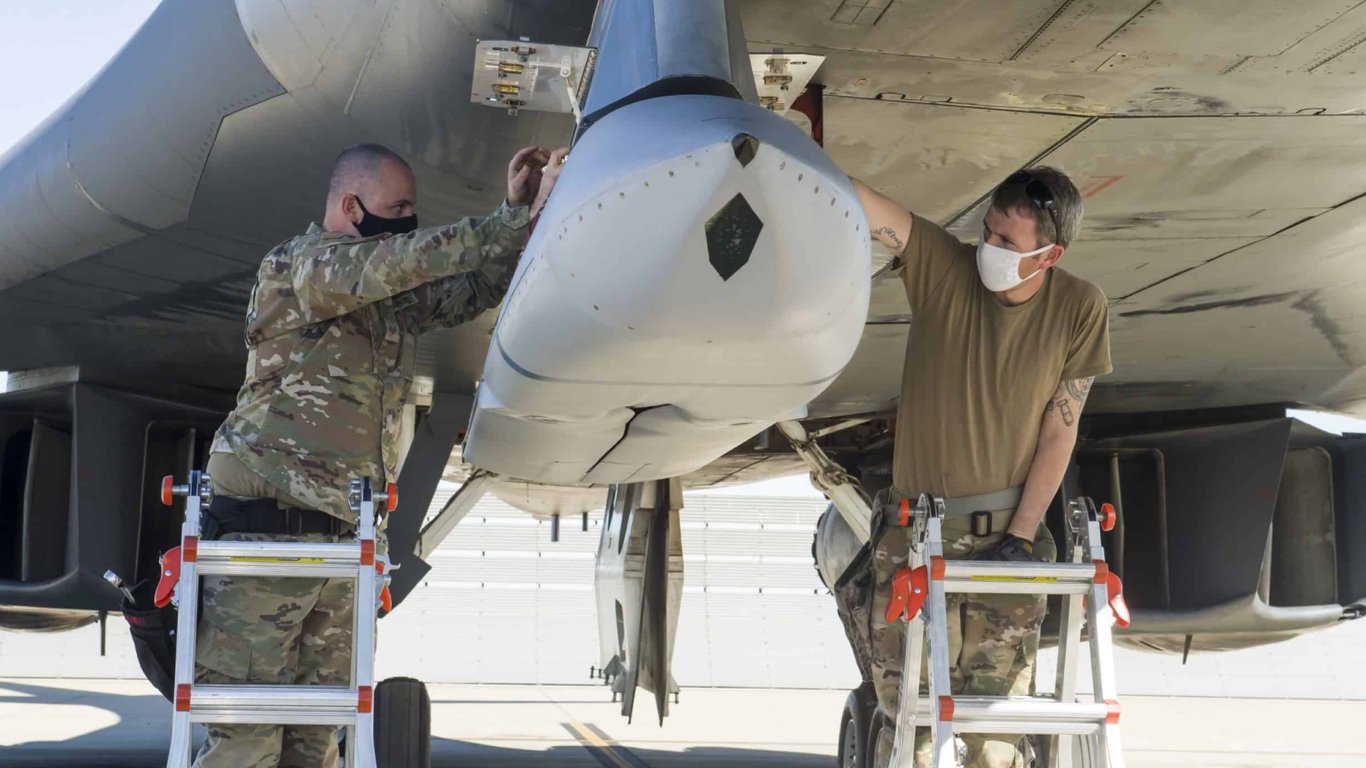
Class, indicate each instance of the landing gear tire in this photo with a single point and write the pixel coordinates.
(856, 744)
(1086, 752)
(403, 724)
(879, 720)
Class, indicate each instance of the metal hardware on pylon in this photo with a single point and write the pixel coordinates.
(1087, 584)
(832, 479)
(351, 706)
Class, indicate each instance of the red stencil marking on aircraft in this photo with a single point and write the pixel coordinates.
(1096, 185)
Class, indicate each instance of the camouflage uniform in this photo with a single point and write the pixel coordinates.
(993, 640)
(280, 631)
(332, 346)
(331, 336)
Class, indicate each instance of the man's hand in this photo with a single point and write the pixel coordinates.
(551, 173)
(1012, 549)
(524, 175)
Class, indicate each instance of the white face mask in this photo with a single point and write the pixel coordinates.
(1000, 267)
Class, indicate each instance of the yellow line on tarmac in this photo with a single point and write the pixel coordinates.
(602, 748)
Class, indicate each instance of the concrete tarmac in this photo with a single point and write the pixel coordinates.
(60, 723)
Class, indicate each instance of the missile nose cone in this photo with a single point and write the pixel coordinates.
(745, 147)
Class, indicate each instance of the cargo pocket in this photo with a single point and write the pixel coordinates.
(223, 653)
(854, 604)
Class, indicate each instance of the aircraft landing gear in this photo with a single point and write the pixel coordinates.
(855, 745)
(403, 724)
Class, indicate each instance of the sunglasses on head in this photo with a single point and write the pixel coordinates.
(1038, 194)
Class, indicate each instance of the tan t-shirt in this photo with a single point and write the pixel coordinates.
(978, 374)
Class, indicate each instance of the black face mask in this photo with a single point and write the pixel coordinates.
(371, 225)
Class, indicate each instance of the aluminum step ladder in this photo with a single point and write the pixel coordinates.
(1090, 590)
(350, 705)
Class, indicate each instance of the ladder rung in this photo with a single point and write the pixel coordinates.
(994, 714)
(284, 704)
(279, 558)
(1018, 578)
(287, 569)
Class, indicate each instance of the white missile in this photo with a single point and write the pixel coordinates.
(700, 272)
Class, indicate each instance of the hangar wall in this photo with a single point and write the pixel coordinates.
(503, 603)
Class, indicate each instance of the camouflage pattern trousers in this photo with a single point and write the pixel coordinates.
(280, 631)
(993, 640)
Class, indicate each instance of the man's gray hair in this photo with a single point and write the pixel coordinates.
(357, 166)
(1013, 195)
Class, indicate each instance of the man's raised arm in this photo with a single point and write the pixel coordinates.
(888, 221)
(458, 299)
(341, 277)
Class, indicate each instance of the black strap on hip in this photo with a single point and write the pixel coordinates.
(227, 515)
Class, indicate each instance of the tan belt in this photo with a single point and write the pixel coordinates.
(998, 507)
(997, 501)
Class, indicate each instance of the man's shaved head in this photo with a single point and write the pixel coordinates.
(358, 167)
(368, 178)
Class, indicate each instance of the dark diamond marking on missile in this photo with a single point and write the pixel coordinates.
(731, 235)
(746, 147)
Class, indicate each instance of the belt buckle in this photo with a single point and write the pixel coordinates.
(981, 523)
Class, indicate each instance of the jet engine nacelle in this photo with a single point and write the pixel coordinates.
(700, 272)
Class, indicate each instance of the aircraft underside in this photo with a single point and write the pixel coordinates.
(679, 297)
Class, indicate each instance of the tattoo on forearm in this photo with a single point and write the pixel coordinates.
(891, 236)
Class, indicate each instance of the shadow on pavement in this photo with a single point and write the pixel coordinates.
(447, 753)
(138, 738)
(139, 735)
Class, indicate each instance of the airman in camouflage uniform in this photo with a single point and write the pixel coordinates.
(331, 336)
(1001, 355)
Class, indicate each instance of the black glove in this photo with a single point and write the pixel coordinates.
(1012, 549)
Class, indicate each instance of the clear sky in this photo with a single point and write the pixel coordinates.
(53, 47)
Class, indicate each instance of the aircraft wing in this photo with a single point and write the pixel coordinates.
(1219, 149)
(137, 215)
(1211, 145)
(135, 219)
(1218, 146)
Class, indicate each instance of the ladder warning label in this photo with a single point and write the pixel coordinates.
(243, 559)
